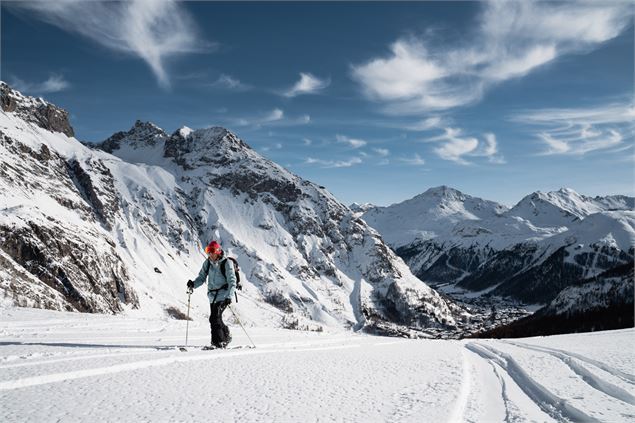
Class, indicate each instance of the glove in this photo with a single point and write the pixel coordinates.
(227, 302)
(190, 285)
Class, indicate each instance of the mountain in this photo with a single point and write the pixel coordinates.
(603, 302)
(120, 226)
(529, 252)
(429, 215)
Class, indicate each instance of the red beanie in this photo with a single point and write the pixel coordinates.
(213, 247)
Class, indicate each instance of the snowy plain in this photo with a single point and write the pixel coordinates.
(59, 366)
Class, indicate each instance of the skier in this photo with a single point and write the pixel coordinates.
(220, 291)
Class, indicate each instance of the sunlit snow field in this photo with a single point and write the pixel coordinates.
(79, 367)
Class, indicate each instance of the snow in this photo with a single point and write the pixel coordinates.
(53, 364)
(305, 258)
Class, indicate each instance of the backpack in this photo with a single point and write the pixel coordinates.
(239, 286)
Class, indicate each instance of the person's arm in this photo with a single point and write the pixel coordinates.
(202, 275)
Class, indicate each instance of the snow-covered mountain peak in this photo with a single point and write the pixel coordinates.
(444, 193)
(185, 131)
(429, 214)
(141, 135)
(201, 147)
(361, 208)
(35, 110)
(555, 208)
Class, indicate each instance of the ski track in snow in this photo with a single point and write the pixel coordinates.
(612, 370)
(558, 408)
(50, 367)
(589, 377)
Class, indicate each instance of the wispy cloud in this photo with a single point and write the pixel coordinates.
(53, 84)
(229, 83)
(351, 142)
(513, 38)
(426, 124)
(308, 84)
(334, 163)
(151, 30)
(307, 141)
(416, 160)
(275, 117)
(489, 148)
(276, 146)
(580, 131)
(455, 146)
(383, 152)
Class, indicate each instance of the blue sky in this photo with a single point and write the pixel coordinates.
(376, 101)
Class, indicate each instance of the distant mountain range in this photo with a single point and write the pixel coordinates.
(545, 247)
(120, 226)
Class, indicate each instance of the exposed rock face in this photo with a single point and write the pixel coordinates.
(50, 262)
(37, 111)
(307, 260)
(142, 133)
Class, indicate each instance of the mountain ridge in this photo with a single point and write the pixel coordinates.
(308, 261)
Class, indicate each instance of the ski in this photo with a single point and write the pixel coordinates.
(234, 347)
(204, 348)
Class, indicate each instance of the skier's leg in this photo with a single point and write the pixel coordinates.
(227, 338)
(215, 324)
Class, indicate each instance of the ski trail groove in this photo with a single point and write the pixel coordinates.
(556, 407)
(587, 376)
(506, 400)
(179, 358)
(615, 372)
(504, 396)
(458, 411)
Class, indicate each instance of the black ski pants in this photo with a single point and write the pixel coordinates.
(220, 331)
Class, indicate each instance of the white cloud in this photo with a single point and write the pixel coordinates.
(414, 161)
(489, 149)
(383, 152)
(276, 146)
(230, 83)
(351, 142)
(308, 84)
(454, 146)
(582, 130)
(513, 38)
(426, 124)
(274, 115)
(53, 84)
(151, 30)
(334, 163)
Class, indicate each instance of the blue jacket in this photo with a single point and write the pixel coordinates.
(216, 280)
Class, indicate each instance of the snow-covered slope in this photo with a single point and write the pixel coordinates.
(84, 368)
(558, 208)
(429, 215)
(87, 230)
(530, 252)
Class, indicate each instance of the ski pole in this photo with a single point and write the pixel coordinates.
(241, 325)
(187, 325)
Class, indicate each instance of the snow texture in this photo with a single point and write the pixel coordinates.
(54, 364)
